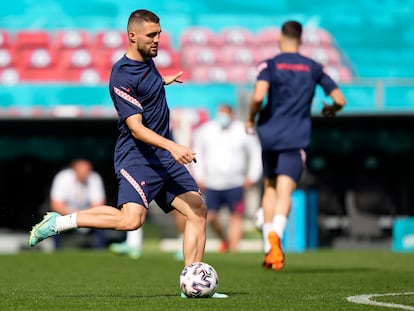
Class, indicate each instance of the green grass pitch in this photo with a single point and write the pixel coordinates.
(99, 280)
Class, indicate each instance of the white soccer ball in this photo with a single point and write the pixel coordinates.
(199, 280)
(259, 219)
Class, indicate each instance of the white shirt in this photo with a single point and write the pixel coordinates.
(226, 157)
(78, 196)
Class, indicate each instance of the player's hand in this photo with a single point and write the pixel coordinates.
(328, 111)
(249, 127)
(172, 78)
(183, 154)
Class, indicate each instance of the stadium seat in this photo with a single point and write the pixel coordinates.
(317, 36)
(9, 76)
(167, 58)
(165, 41)
(237, 55)
(4, 39)
(74, 62)
(7, 58)
(325, 55)
(30, 39)
(107, 57)
(207, 74)
(111, 39)
(241, 74)
(198, 55)
(267, 51)
(196, 36)
(72, 39)
(235, 36)
(39, 64)
(268, 36)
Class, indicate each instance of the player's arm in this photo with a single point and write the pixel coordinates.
(260, 91)
(172, 78)
(181, 154)
(338, 99)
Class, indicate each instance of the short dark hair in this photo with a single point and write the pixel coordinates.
(292, 29)
(139, 16)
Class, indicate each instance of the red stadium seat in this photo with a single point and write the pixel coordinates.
(4, 39)
(267, 51)
(167, 58)
(207, 74)
(72, 39)
(73, 63)
(268, 36)
(241, 74)
(165, 41)
(107, 57)
(198, 36)
(322, 54)
(316, 36)
(235, 36)
(199, 55)
(32, 39)
(237, 55)
(7, 57)
(9, 76)
(111, 39)
(39, 64)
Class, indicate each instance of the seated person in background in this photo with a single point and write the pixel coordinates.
(76, 188)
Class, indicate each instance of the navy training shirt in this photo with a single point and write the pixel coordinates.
(284, 122)
(137, 88)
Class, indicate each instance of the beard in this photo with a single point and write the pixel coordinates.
(147, 52)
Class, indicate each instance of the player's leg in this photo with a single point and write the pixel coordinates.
(132, 197)
(213, 201)
(289, 168)
(235, 199)
(193, 208)
(180, 224)
(131, 216)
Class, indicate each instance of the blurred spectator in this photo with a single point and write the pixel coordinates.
(76, 188)
(228, 162)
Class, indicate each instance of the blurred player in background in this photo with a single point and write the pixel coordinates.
(284, 127)
(77, 188)
(228, 163)
(149, 165)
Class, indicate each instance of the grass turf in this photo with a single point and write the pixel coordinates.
(99, 280)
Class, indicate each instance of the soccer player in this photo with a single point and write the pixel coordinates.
(149, 165)
(284, 128)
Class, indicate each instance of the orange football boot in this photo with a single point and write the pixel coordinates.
(274, 259)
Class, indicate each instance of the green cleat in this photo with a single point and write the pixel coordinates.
(215, 296)
(124, 249)
(44, 229)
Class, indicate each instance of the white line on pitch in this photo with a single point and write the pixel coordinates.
(366, 300)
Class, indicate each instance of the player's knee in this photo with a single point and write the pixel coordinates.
(132, 224)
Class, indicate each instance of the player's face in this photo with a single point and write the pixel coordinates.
(148, 37)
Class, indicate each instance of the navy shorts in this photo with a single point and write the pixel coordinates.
(285, 162)
(233, 198)
(143, 183)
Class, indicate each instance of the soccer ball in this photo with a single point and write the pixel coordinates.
(199, 280)
(259, 219)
